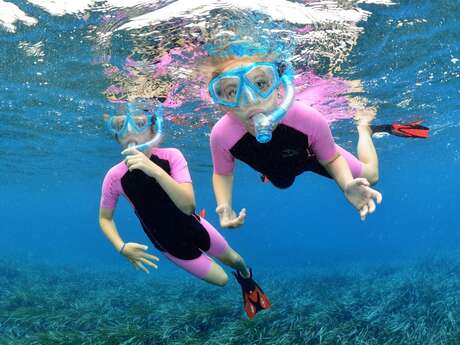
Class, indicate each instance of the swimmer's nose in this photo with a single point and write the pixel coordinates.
(249, 97)
(130, 127)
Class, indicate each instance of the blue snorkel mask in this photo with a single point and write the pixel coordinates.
(246, 84)
(136, 121)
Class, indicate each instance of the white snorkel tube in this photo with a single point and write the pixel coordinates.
(264, 124)
(158, 112)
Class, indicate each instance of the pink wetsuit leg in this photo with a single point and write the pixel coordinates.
(200, 266)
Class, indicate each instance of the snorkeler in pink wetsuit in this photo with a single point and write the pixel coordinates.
(164, 223)
(301, 123)
(278, 138)
(158, 185)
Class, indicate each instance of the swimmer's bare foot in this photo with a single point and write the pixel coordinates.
(364, 117)
(356, 86)
(363, 114)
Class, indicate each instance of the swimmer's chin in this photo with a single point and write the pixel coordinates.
(129, 144)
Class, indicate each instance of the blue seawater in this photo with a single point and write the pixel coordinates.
(332, 279)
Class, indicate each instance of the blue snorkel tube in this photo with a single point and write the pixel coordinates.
(264, 124)
(159, 121)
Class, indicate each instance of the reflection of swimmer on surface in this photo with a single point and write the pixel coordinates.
(157, 183)
(247, 81)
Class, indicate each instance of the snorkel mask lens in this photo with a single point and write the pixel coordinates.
(263, 79)
(142, 122)
(225, 91)
(116, 123)
(259, 79)
(121, 125)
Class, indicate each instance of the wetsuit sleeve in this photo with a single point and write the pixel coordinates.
(179, 167)
(111, 190)
(223, 161)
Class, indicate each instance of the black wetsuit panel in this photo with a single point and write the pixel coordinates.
(282, 159)
(164, 223)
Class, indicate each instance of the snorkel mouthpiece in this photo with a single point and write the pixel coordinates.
(264, 124)
(263, 127)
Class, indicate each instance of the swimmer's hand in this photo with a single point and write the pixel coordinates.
(361, 196)
(138, 160)
(228, 217)
(137, 255)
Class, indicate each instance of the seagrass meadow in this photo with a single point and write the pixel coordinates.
(66, 67)
(409, 303)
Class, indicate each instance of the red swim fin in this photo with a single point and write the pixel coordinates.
(407, 130)
(254, 299)
(410, 130)
(202, 213)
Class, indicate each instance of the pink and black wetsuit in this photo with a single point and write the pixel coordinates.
(301, 139)
(184, 239)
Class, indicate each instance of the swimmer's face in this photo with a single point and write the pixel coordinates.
(246, 111)
(128, 136)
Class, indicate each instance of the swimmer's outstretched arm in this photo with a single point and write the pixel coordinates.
(223, 190)
(357, 191)
(134, 252)
(180, 193)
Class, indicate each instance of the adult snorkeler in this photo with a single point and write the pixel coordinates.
(277, 136)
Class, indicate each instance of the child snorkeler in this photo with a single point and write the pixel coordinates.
(157, 183)
(281, 139)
